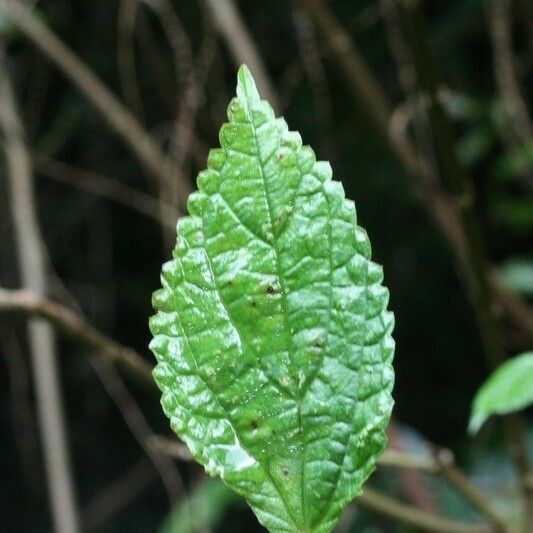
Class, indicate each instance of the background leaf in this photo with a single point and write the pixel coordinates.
(272, 337)
(204, 508)
(508, 389)
(518, 275)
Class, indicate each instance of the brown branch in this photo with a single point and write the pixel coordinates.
(446, 467)
(459, 182)
(311, 59)
(42, 342)
(182, 54)
(411, 484)
(393, 458)
(127, 13)
(107, 188)
(405, 514)
(67, 321)
(241, 45)
(118, 494)
(118, 117)
(171, 447)
(138, 425)
(378, 111)
(176, 37)
(500, 24)
(442, 463)
(160, 77)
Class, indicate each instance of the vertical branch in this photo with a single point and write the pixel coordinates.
(117, 495)
(459, 182)
(407, 78)
(316, 73)
(517, 129)
(127, 13)
(463, 191)
(504, 70)
(192, 99)
(41, 337)
(242, 47)
(182, 53)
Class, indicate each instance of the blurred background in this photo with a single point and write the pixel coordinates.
(107, 112)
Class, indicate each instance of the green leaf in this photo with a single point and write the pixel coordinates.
(517, 273)
(272, 336)
(203, 509)
(509, 388)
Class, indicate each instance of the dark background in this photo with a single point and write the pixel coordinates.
(109, 256)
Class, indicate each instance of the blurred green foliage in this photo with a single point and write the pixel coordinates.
(507, 390)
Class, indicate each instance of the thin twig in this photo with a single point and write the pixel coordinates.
(182, 54)
(398, 459)
(442, 463)
(127, 14)
(312, 63)
(192, 98)
(119, 118)
(138, 425)
(378, 111)
(177, 39)
(26, 302)
(118, 494)
(459, 182)
(241, 45)
(42, 342)
(170, 447)
(158, 76)
(108, 188)
(406, 73)
(448, 470)
(405, 514)
(504, 71)
(413, 485)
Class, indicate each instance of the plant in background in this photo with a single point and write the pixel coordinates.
(507, 390)
(272, 336)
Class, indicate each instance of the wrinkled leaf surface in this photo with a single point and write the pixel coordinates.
(272, 336)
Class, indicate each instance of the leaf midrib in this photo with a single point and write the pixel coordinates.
(215, 395)
(302, 390)
(290, 348)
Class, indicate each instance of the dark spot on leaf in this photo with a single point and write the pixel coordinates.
(254, 424)
(285, 472)
(270, 289)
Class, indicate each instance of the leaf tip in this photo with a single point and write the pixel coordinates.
(246, 87)
(476, 421)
